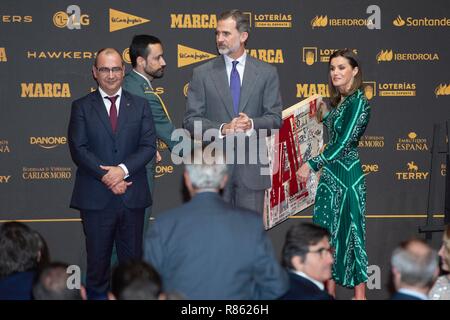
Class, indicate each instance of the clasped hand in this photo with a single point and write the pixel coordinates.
(113, 179)
(242, 123)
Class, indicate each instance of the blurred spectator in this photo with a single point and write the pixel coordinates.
(441, 289)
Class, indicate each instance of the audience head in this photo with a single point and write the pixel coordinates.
(207, 172)
(135, 280)
(444, 251)
(307, 249)
(414, 265)
(21, 248)
(52, 284)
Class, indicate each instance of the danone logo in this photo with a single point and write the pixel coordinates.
(412, 173)
(421, 22)
(48, 142)
(3, 57)
(389, 55)
(314, 54)
(411, 143)
(45, 90)
(442, 90)
(4, 147)
(267, 55)
(162, 170)
(120, 20)
(187, 56)
(370, 168)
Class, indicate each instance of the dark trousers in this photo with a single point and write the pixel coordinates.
(102, 228)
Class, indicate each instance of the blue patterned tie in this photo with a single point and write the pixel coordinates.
(235, 87)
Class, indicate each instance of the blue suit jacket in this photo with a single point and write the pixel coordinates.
(304, 289)
(206, 249)
(92, 143)
(17, 286)
(403, 296)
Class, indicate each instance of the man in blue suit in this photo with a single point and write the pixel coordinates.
(111, 139)
(415, 267)
(208, 249)
(307, 256)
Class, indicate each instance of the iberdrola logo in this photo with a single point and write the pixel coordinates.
(398, 22)
(442, 90)
(319, 21)
(385, 55)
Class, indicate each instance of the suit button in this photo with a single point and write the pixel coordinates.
(115, 150)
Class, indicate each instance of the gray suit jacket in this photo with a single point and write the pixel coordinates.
(209, 101)
(207, 249)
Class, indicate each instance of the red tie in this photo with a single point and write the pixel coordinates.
(113, 112)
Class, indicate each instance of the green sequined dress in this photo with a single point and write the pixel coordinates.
(340, 203)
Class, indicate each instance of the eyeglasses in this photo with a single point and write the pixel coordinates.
(105, 70)
(321, 251)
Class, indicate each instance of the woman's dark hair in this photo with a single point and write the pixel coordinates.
(20, 248)
(335, 95)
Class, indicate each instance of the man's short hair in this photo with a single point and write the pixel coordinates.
(52, 284)
(107, 51)
(136, 280)
(298, 240)
(20, 248)
(242, 21)
(209, 173)
(139, 47)
(416, 268)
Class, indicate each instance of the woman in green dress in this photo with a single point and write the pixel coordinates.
(340, 203)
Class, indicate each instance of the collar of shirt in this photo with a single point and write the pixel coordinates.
(413, 293)
(240, 66)
(145, 78)
(107, 103)
(319, 284)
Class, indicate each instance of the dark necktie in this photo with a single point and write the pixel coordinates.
(235, 87)
(113, 112)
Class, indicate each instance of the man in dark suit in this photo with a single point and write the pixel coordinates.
(111, 139)
(237, 96)
(307, 256)
(208, 249)
(415, 267)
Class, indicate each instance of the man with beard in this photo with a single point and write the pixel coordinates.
(147, 59)
(238, 97)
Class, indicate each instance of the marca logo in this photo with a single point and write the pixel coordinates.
(270, 20)
(413, 173)
(193, 21)
(72, 19)
(48, 142)
(3, 57)
(313, 54)
(371, 142)
(389, 55)
(411, 143)
(187, 56)
(46, 173)
(161, 170)
(320, 21)
(442, 90)
(267, 55)
(126, 55)
(4, 147)
(370, 168)
(71, 55)
(305, 90)
(421, 22)
(402, 89)
(16, 19)
(4, 179)
(45, 90)
(120, 20)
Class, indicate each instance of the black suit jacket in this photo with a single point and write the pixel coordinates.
(304, 289)
(92, 143)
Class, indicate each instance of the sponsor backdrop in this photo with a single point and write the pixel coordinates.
(47, 49)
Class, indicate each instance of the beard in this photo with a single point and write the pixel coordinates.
(226, 50)
(155, 74)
